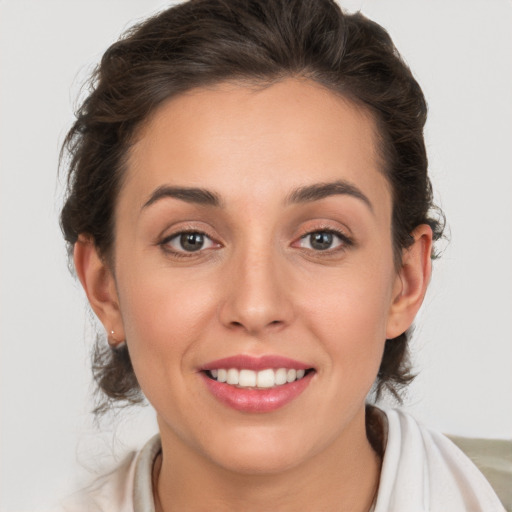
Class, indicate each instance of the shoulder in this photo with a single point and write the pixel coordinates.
(423, 470)
(126, 488)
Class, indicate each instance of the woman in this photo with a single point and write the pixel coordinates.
(251, 219)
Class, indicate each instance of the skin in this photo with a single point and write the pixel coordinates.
(258, 287)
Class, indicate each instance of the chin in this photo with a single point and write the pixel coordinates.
(260, 453)
(264, 462)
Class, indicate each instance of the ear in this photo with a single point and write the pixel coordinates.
(411, 282)
(99, 284)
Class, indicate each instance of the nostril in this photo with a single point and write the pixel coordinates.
(254, 330)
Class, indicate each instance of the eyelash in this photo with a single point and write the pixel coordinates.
(345, 242)
(183, 253)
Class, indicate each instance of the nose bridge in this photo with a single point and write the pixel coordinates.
(256, 298)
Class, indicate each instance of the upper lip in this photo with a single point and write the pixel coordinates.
(255, 363)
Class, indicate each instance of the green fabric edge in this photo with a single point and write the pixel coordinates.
(493, 457)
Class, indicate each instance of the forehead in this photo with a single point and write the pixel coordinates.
(239, 140)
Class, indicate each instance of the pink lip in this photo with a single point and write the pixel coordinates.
(255, 363)
(256, 400)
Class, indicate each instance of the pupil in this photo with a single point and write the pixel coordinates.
(321, 241)
(192, 241)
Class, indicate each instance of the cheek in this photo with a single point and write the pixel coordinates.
(349, 314)
(164, 315)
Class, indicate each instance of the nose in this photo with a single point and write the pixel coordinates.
(256, 294)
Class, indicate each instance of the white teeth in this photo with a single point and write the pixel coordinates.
(232, 376)
(291, 375)
(246, 378)
(263, 379)
(266, 379)
(281, 376)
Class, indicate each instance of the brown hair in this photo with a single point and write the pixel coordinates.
(203, 42)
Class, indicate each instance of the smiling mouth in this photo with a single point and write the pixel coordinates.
(263, 379)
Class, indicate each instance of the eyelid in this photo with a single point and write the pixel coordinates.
(333, 248)
(346, 240)
(164, 241)
(178, 235)
(185, 226)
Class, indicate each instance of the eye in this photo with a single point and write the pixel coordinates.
(323, 240)
(189, 241)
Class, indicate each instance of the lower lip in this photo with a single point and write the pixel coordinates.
(257, 400)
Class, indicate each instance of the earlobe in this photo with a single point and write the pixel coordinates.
(411, 282)
(98, 283)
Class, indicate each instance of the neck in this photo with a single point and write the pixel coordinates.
(343, 477)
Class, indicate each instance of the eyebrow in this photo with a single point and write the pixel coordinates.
(188, 194)
(305, 194)
(318, 191)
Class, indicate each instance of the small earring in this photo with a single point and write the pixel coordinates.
(113, 342)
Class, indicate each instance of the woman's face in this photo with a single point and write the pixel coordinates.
(253, 233)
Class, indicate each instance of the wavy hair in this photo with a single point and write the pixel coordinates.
(203, 42)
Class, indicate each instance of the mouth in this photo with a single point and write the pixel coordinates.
(262, 379)
(256, 384)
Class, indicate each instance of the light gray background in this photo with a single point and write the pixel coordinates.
(461, 52)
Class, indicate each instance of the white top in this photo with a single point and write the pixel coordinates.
(422, 471)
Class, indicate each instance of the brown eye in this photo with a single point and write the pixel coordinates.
(189, 241)
(323, 240)
(192, 241)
